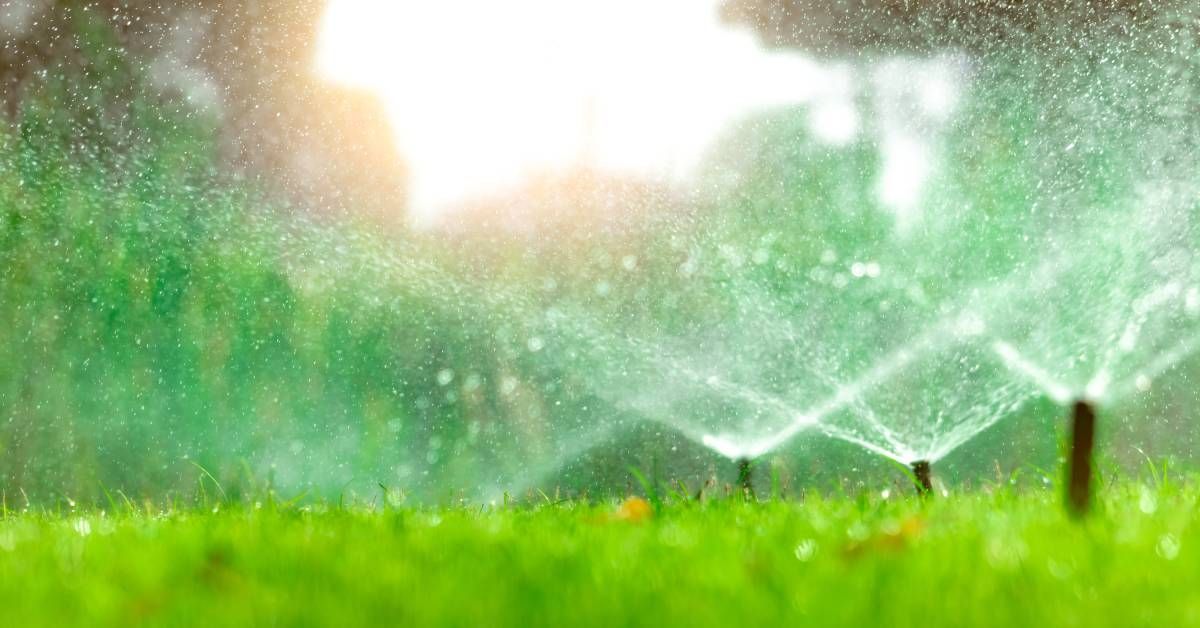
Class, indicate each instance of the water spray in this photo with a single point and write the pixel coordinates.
(923, 477)
(1079, 461)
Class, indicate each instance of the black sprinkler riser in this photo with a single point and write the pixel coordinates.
(923, 477)
(1079, 460)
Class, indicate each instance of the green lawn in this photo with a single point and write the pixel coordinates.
(988, 557)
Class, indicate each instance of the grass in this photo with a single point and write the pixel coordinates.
(1004, 557)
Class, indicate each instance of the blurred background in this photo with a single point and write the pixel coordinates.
(467, 248)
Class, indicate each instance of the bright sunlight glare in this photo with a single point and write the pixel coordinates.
(484, 94)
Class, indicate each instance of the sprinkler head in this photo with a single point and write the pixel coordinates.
(745, 472)
(923, 477)
(1079, 460)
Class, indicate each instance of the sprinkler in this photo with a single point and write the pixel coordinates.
(745, 477)
(1079, 461)
(923, 477)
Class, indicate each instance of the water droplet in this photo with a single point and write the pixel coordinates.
(1147, 502)
(1062, 571)
(1168, 547)
(805, 550)
(1191, 302)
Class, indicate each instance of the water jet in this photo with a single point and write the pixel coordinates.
(923, 477)
(1079, 460)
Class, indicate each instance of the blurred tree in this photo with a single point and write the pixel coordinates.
(250, 64)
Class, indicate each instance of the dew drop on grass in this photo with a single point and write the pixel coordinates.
(805, 550)
(1168, 546)
(1059, 570)
(858, 531)
(1006, 553)
(1147, 502)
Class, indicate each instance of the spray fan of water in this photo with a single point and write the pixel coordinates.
(1077, 279)
(1050, 252)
